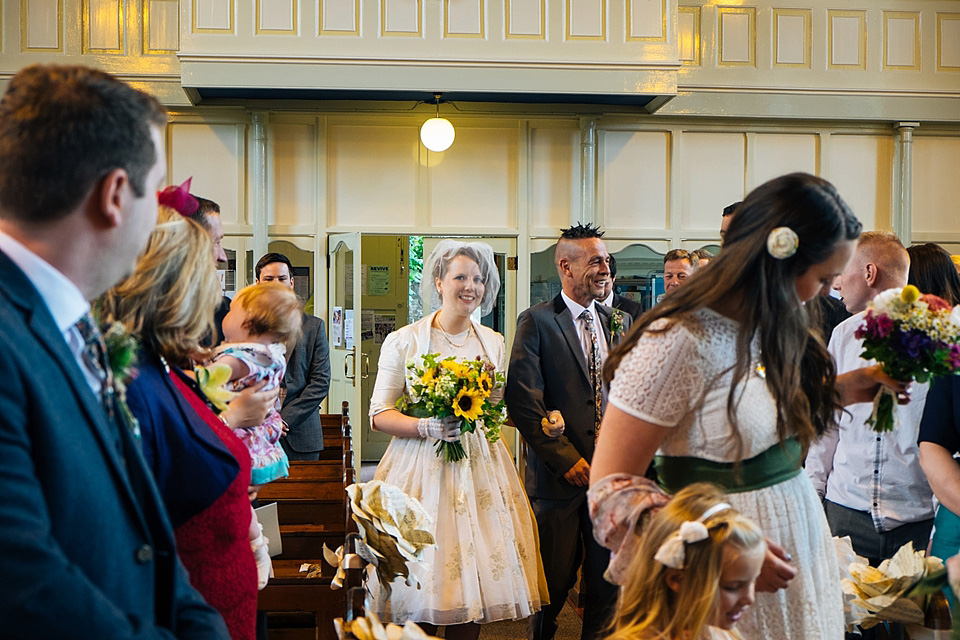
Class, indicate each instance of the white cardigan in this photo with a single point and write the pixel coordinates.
(410, 343)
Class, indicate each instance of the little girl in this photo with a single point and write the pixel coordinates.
(262, 324)
(694, 572)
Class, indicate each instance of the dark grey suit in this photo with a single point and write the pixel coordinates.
(87, 550)
(627, 305)
(548, 370)
(307, 381)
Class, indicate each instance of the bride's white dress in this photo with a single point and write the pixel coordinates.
(486, 564)
(680, 378)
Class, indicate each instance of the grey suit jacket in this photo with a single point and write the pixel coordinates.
(548, 371)
(87, 550)
(308, 382)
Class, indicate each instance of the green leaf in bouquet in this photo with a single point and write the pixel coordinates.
(930, 583)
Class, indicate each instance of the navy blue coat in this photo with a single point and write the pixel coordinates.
(86, 549)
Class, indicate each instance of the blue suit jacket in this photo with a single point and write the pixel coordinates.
(86, 549)
(190, 464)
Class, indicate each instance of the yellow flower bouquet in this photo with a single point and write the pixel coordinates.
(461, 388)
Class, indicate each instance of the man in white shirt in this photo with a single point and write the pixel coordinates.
(873, 487)
(87, 548)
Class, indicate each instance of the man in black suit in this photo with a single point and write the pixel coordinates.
(87, 548)
(614, 300)
(557, 355)
(207, 216)
(307, 380)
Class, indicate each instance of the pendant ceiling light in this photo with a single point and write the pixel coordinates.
(437, 133)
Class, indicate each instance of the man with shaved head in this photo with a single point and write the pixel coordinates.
(555, 397)
(873, 487)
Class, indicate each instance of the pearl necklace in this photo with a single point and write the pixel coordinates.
(447, 337)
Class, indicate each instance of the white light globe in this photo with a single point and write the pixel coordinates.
(437, 134)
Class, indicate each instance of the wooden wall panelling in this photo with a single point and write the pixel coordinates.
(936, 185)
(847, 39)
(901, 40)
(775, 154)
(634, 172)
(554, 177)
(276, 17)
(861, 168)
(372, 175)
(737, 41)
(41, 26)
(161, 26)
(525, 19)
(475, 184)
(292, 175)
(339, 18)
(464, 18)
(688, 35)
(712, 174)
(102, 27)
(585, 20)
(208, 151)
(646, 20)
(403, 18)
(948, 41)
(212, 16)
(792, 37)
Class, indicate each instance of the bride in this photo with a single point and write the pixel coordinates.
(486, 563)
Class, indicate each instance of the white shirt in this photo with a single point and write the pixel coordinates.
(581, 326)
(608, 301)
(63, 299)
(878, 473)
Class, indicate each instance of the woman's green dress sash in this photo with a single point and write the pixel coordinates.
(775, 465)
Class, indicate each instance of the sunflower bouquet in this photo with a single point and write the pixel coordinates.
(452, 387)
(915, 336)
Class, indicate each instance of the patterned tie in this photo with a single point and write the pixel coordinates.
(95, 358)
(595, 369)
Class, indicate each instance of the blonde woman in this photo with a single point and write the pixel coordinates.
(202, 469)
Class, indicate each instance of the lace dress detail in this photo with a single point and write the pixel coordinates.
(680, 377)
(486, 564)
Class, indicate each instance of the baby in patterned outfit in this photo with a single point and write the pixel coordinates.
(263, 322)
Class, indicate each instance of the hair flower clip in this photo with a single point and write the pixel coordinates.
(782, 243)
(179, 198)
(672, 553)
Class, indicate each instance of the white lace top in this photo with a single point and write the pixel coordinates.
(681, 376)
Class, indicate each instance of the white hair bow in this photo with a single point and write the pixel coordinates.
(672, 553)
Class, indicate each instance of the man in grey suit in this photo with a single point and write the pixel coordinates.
(307, 380)
(87, 549)
(554, 382)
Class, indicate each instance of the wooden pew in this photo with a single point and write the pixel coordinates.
(313, 510)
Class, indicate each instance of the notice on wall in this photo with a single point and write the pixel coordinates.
(336, 326)
(366, 324)
(378, 280)
(383, 325)
(348, 328)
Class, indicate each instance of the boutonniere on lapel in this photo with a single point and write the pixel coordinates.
(616, 324)
(122, 355)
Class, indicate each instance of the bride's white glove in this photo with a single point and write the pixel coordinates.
(553, 424)
(261, 553)
(446, 429)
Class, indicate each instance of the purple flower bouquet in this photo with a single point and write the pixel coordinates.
(913, 336)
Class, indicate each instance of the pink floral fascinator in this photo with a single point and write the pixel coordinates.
(179, 198)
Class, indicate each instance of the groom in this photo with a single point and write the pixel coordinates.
(554, 379)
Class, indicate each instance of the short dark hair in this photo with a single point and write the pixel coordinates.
(62, 129)
(270, 258)
(580, 231)
(206, 207)
(731, 209)
(612, 266)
